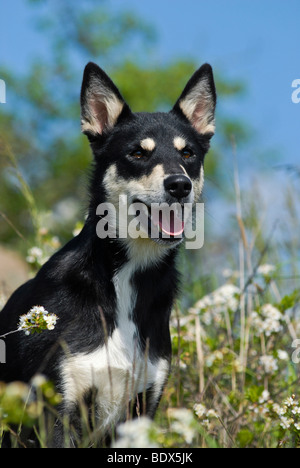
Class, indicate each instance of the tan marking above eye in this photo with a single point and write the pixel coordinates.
(148, 144)
(179, 143)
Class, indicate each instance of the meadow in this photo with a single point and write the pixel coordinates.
(236, 353)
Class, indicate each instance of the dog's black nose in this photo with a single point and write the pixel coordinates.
(178, 185)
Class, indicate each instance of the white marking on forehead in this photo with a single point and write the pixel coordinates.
(148, 144)
(179, 143)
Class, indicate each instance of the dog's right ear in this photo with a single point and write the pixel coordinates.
(101, 102)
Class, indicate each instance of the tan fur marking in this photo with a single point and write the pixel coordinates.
(148, 144)
(179, 143)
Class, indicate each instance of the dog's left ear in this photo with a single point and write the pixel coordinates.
(197, 102)
(101, 102)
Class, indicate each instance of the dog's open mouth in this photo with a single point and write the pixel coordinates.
(162, 221)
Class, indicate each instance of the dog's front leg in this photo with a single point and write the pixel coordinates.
(67, 431)
(146, 403)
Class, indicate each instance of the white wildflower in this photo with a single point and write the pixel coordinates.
(271, 326)
(269, 322)
(212, 414)
(286, 422)
(264, 397)
(290, 402)
(257, 322)
(280, 410)
(38, 380)
(135, 434)
(51, 321)
(36, 310)
(259, 411)
(215, 304)
(183, 423)
(269, 364)
(296, 410)
(270, 312)
(206, 423)
(200, 410)
(282, 355)
(266, 270)
(35, 255)
(211, 358)
(207, 318)
(297, 426)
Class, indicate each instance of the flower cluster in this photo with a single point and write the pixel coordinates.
(289, 414)
(182, 423)
(269, 364)
(206, 416)
(38, 256)
(136, 433)
(266, 270)
(268, 321)
(213, 306)
(37, 320)
(35, 255)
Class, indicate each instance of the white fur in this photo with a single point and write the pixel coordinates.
(118, 370)
(198, 185)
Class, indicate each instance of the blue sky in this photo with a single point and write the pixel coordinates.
(256, 41)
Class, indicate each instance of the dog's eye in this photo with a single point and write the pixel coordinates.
(138, 154)
(187, 153)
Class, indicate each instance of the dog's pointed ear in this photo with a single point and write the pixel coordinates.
(101, 102)
(197, 102)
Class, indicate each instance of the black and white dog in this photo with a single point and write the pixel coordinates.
(113, 295)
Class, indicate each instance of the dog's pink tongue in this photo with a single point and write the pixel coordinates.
(171, 225)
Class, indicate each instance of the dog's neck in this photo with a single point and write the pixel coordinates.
(142, 253)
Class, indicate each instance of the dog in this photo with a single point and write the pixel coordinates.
(113, 295)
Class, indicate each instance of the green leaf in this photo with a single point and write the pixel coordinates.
(245, 438)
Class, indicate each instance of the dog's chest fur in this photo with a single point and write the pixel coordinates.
(119, 370)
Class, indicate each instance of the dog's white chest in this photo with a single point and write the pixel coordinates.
(118, 370)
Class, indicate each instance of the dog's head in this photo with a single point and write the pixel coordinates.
(149, 158)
